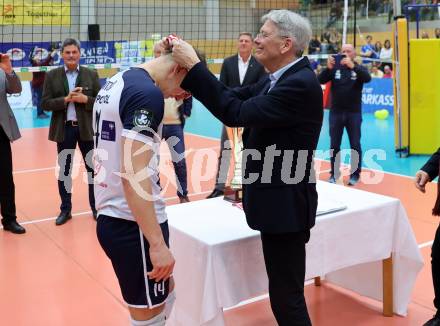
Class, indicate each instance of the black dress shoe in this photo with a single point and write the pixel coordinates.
(63, 217)
(216, 193)
(14, 227)
(435, 321)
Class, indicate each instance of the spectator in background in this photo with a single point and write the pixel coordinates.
(425, 35)
(367, 51)
(347, 79)
(9, 84)
(377, 48)
(175, 114)
(375, 71)
(437, 31)
(314, 45)
(386, 53)
(237, 71)
(387, 72)
(335, 13)
(37, 60)
(69, 92)
(335, 39)
(326, 45)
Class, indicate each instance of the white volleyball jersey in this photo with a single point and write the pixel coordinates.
(132, 106)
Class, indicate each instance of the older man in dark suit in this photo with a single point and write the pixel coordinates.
(69, 92)
(9, 84)
(282, 117)
(237, 71)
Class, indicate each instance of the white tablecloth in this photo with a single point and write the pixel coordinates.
(219, 260)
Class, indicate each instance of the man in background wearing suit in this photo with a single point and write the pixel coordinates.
(237, 71)
(282, 117)
(69, 92)
(9, 84)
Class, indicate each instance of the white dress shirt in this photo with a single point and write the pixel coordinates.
(242, 68)
(71, 81)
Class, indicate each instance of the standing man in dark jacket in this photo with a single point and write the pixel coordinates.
(69, 92)
(428, 173)
(237, 71)
(347, 79)
(282, 117)
(9, 84)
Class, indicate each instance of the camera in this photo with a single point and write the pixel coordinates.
(338, 59)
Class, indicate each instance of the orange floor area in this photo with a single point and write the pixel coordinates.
(59, 275)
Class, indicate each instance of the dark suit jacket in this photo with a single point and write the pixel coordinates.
(288, 119)
(230, 76)
(56, 88)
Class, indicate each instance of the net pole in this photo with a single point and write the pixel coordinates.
(344, 28)
(354, 23)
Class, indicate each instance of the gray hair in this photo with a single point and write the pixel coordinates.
(291, 25)
(70, 41)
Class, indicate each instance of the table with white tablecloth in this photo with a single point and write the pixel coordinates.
(219, 260)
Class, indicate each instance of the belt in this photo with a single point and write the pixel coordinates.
(72, 123)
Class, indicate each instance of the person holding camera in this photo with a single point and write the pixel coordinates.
(37, 82)
(69, 92)
(347, 80)
(9, 84)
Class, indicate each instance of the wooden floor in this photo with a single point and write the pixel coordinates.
(59, 275)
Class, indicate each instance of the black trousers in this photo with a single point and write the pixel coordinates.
(352, 122)
(66, 151)
(7, 187)
(435, 265)
(285, 258)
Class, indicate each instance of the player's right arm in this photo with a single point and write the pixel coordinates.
(138, 193)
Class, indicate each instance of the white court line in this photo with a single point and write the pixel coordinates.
(34, 170)
(426, 244)
(54, 218)
(165, 155)
(89, 212)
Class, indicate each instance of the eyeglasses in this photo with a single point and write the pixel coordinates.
(265, 35)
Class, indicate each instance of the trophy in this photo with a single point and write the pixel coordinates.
(233, 191)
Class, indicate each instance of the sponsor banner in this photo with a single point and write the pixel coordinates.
(29, 12)
(130, 53)
(378, 95)
(21, 100)
(92, 52)
(109, 53)
(97, 52)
